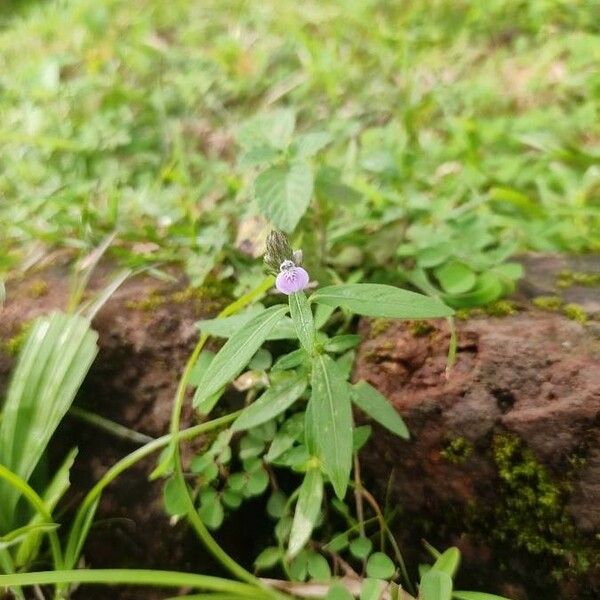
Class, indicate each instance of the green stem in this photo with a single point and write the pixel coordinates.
(198, 525)
(132, 577)
(77, 533)
(109, 426)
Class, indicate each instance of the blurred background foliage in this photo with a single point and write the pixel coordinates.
(460, 132)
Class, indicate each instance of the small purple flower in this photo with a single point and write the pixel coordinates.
(291, 278)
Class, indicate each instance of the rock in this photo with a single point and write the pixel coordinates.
(505, 448)
(146, 333)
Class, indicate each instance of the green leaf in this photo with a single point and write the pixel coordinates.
(380, 566)
(257, 483)
(278, 398)
(225, 328)
(487, 289)
(281, 125)
(455, 277)
(434, 255)
(341, 343)
(338, 592)
(372, 589)
(331, 414)
(268, 558)
(436, 585)
(378, 407)
(448, 562)
(291, 361)
(307, 511)
(360, 436)
(237, 352)
(277, 504)
(211, 510)
(376, 300)
(283, 194)
(56, 356)
(318, 567)
(476, 596)
(174, 497)
(303, 320)
(308, 144)
(361, 547)
(54, 492)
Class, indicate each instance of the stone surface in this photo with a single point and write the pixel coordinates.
(522, 401)
(146, 333)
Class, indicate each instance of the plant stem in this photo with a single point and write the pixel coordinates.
(75, 538)
(198, 525)
(115, 429)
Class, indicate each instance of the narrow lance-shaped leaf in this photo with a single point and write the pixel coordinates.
(332, 421)
(436, 585)
(376, 300)
(55, 359)
(303, 320)
(378, 407)
(307, 511)
(458, 595)
(237, 352)
(274, 401)
(448, 562)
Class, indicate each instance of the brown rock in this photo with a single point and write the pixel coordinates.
(514, 426)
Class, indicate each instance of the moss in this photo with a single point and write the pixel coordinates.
(500, 308)
(566, 279)
(13, 345)
(420, 328)
(211, 291)
(551, 303)
(531, 513)
(38, 288)
(458, 450)
(379, 326)
(575, 312)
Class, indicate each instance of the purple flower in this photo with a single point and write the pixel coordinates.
(291, 278)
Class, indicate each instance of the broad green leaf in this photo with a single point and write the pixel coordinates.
(174, 497)
(303, 320)
(372, 589)
(237, 352)
(278, 398)
(307, 511)
(433, 256)
(280, 127)
(376, 300)
(360, 436)
(436, 585)
(338, 592)
(455, 277)
(361, 547)
(308, 144)
(268, 558)
(283, 194)
(331, 415)
(487, 289)
(211, 510)
(258, 155)
(318, 567)
(448, 562)
(378, 407)
(476, 596)
(380, 566)
(52, 364)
